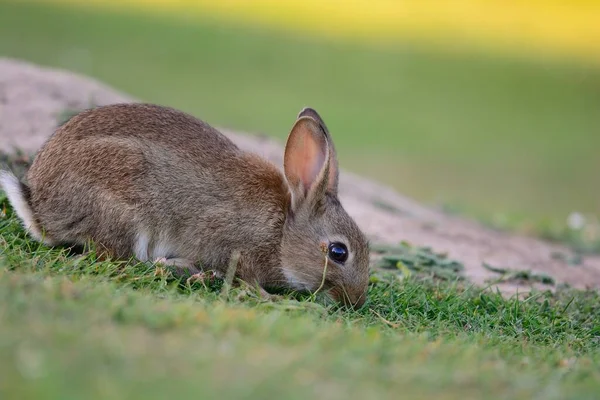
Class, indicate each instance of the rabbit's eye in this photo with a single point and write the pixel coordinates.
(338, 252)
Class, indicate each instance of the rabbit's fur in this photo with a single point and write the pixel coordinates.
(155, 183)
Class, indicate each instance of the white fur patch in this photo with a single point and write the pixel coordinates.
(140, 248)
(162, 247)
(147, 247)
(12, 187)
(293, 281)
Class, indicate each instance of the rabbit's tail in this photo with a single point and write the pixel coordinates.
(18, 196)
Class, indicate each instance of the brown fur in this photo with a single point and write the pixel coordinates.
(153, 182)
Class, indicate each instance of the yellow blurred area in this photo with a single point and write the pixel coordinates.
(563, 28)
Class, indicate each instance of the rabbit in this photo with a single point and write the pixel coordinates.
(153, 183)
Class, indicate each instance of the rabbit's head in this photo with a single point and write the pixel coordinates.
(322, 247)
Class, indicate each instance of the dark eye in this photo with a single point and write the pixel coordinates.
(338, 252)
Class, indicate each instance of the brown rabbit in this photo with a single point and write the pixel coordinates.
(160, 185)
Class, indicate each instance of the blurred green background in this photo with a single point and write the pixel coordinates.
(480, 131)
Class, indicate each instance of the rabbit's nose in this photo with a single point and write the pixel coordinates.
(358, 302)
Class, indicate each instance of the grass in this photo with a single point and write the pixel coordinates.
(493, 134)
(557, 27)
(76, 327)
(409, 259)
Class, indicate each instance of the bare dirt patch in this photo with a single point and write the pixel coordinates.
(33, 100)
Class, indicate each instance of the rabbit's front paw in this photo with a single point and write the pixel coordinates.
(181, 266)
(202, 277)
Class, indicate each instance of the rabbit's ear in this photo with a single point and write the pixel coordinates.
(333, 161)
(306, 161)
(312, 113)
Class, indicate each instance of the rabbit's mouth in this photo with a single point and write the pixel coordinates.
(348, 298)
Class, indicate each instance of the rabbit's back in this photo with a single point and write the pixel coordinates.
(150, 181)
(148, 123)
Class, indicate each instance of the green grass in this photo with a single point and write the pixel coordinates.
(74, 327)
(492, 134)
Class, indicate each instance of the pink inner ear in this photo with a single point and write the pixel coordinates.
(314, 158)
(305, 154)
(333, 165)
